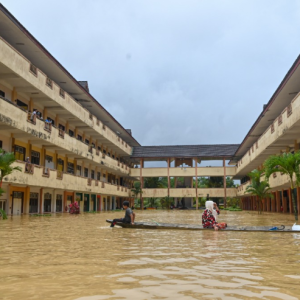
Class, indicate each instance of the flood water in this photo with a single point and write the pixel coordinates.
(80, 257)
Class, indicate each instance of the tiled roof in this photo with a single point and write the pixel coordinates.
(199, 151)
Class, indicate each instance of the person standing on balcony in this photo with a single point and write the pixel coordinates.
(129, 215)
(208, 219)
(32, 117)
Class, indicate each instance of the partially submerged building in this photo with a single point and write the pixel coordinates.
(70, 148)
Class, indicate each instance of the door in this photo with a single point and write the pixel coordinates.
(93, 202)
(69, 199)
(33, 203)
(47, 202)
(17, 203)
(86, 202)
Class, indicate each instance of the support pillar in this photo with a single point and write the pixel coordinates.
(291, 209)
(41, 200)
(196, 183)
(142, 182)
(278, 205)
(298, 200)
(225, 196)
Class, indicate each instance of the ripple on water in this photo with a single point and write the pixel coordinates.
(80, 257)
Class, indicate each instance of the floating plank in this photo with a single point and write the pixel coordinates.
(156, 225)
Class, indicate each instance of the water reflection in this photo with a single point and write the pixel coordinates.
(80, 257)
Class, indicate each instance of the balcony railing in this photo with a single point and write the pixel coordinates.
(48, 126)
(31, 118)
(29, 168)
(59, 174)
(89, 181)
(61, 133)
(46, 172)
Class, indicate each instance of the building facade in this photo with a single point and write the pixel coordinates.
(70, 148)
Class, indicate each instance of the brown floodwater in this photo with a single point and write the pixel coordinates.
(80, 257)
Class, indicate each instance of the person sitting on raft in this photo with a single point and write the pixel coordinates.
(129, 215)
(208, 219)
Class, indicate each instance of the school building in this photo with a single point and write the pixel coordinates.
(71, 149)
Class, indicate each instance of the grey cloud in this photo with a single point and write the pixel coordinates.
(175, 72)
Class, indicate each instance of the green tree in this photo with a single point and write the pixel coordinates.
(286, 163)
(259, 188)
(6, 168)
(136, 190)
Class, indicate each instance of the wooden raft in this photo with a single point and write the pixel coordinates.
(156, 225)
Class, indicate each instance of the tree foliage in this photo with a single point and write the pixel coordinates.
(286, 163)
(259, 188)
(6, 168)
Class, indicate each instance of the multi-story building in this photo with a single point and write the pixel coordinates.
(70, 148)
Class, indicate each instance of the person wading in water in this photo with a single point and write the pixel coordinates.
(129, 215)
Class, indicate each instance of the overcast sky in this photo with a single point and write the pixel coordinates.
(175, 72)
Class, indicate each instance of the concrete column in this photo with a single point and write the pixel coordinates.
(196, 184)
(284, 203)
(142, 182)
(278, 206)
(7, 202)
(268, 204)
(298, 200)
(225, 196)
(53, 208)
(169, 185)
(26, 200)
(290, 201)
(41, 204)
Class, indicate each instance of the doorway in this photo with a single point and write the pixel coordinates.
(17, 203)
(86, 202)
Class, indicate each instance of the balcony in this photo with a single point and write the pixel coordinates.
(54, 179)
(189, 192)
(52, 137)
(29, 74)
(183, 172)
(281, 133)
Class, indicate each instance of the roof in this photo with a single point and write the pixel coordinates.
(282, 97)
(184, 151)
(23, 41)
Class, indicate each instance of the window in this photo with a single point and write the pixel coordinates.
(99, 148)
(2, 94)
(35, 157)
(86, 172)
(87, 141)
(79, 137)
(104, 151)
(78, 170)
(20, 153)
(1, 145)
(113, 156)
(108, 153)
(71, 133)
(33, 203)
(98, 175)
(93, 174)
(93, 145)
(22, 104)
(58, 203)
(47, 202)
(70, 168)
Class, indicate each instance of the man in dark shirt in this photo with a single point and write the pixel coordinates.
(129, 215)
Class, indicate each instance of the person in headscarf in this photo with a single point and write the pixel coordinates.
(216, 211)
(208, 218)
